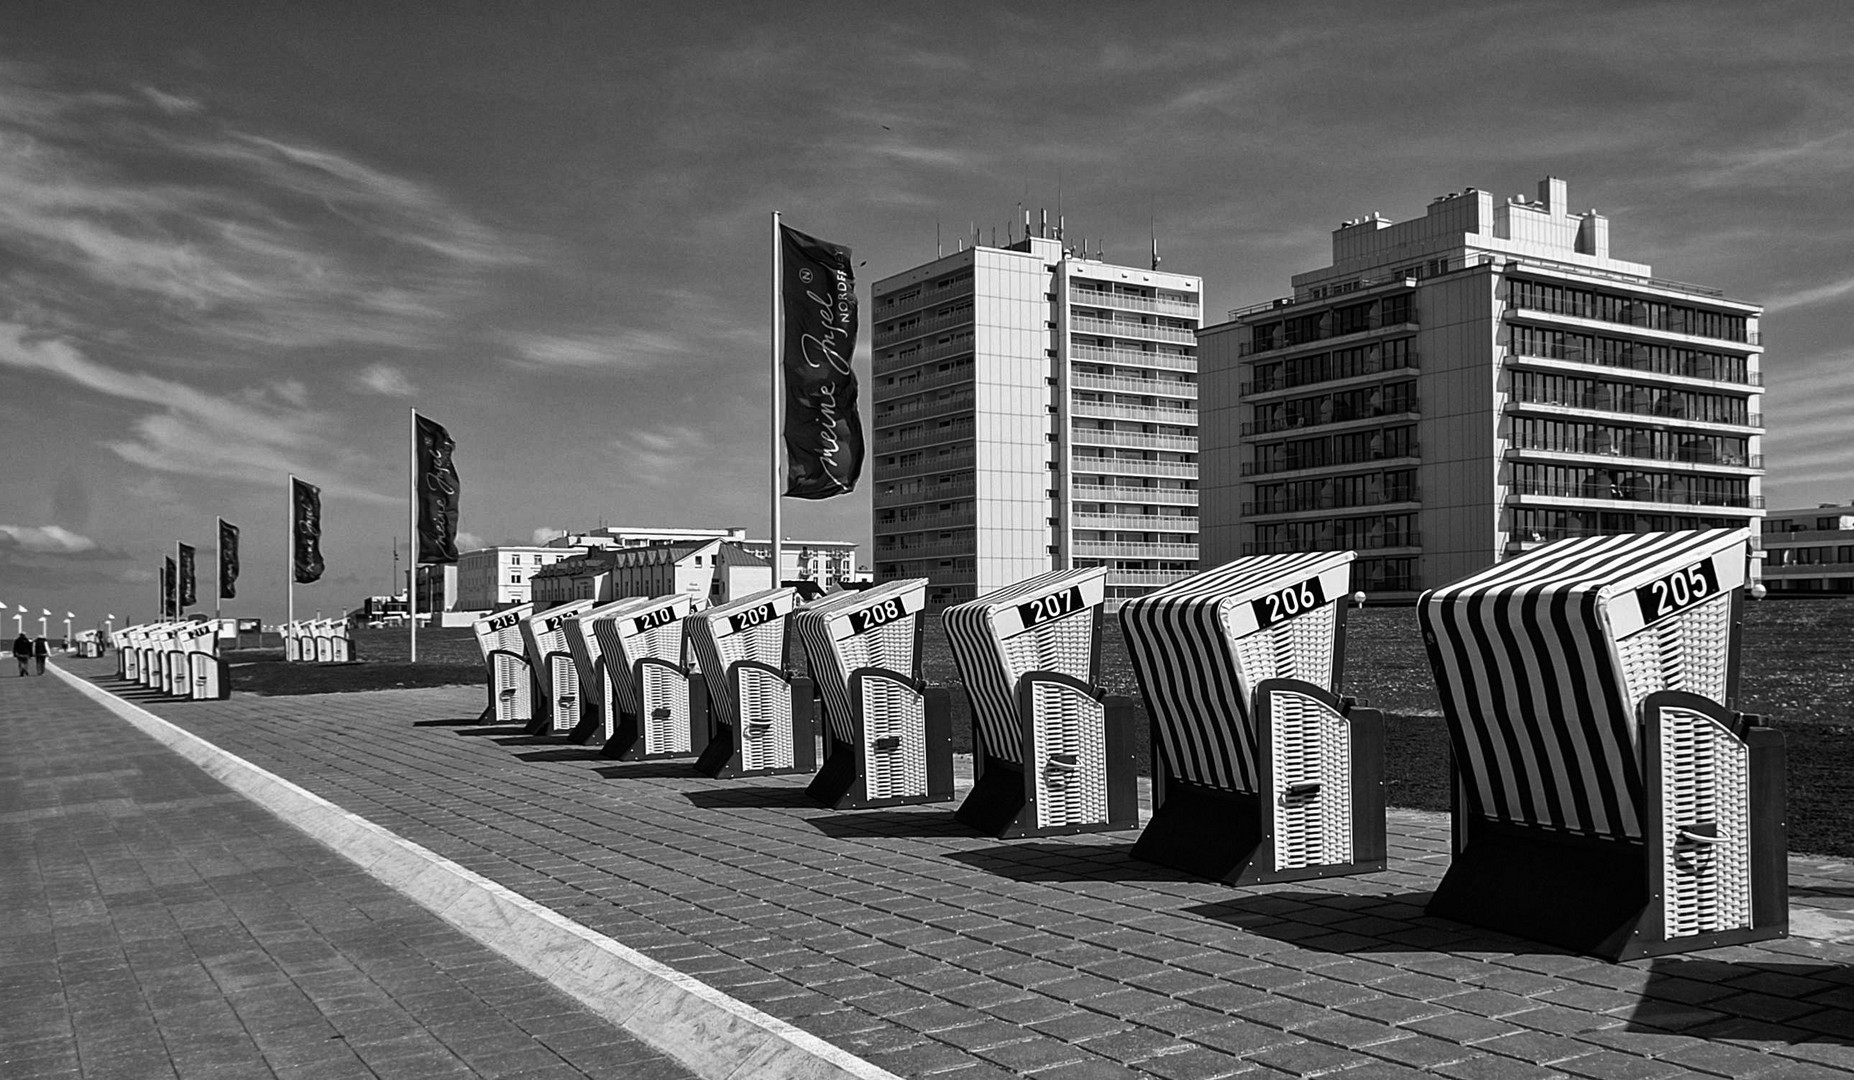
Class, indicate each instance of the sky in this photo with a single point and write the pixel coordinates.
(240, 241)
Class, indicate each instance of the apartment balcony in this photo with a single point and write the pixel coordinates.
(886, 442)
(889, 335)
(1409, 539)
(923, 410)
(1277, 468)
(1134, 522)
(1122, 466)
(1327, 339)
(1097, 549)
(929, 465)
(1150, 579)
(1126, 328)
(1521, 450)
(932, 493)
(1278, 507)
(1151, 496)
(1571, 312)
(1372, 373)
(1152, 361)
(1408, 411)
(927, 354)
(1575, 361)
(1183, 444)
(1143, 414)
(1158, 305)
(958, 375)
(938, 549)
(1645, 410)
(1120, 384)
(1660, 495)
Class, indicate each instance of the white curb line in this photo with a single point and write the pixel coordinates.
(703, 1028)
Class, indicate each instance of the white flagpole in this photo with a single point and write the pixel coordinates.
(777, 556)
(289, 556)
(412, 534)
(218, 575)
(177, 612)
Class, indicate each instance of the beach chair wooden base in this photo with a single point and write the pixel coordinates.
(1004, 797)
(591, 722)
(628, 743)
(852, 776)
(1688, 885)
(725, 758)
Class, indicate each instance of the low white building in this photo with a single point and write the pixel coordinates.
(492, 578)
(829, 563)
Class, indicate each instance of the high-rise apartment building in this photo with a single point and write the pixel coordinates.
(1034, 408)
(1470, 384)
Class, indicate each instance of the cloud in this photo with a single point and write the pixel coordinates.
(469, 541)
(170, 103)
(258, 434)
(660, 456)
(1804, 297)
(547, 532)
(385, 379)
(50, 539)
(624, 350)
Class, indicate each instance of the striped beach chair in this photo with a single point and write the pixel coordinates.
(760, 717)
(505, 653)
(208, 675)
(659, 705)
(887, 737)
(1260, 771)
(1051, 753)
(595, 704)
(1607, 797)
(545, 637)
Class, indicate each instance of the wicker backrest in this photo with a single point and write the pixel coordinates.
(751, 628)
(1542, 663)
(641, 626)
(1043, 623)
(1202, 645)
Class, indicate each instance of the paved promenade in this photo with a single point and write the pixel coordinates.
(922, 949)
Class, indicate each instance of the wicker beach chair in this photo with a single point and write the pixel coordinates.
(659, 705)
(760, 716)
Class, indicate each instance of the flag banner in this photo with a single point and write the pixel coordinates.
(437, 486)
(823, 434)
(306, 530)
(189, 584)
(228, 560)
(168, 611)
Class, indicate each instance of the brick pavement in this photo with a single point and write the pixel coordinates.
(930, 951)
(158, 925)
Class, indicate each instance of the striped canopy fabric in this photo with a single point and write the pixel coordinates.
(751, 628)
(1541, 662)
(1043, 623)
(583, 643)
(849, 630)
(1200, 647)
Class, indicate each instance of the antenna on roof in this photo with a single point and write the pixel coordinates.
(939, 248)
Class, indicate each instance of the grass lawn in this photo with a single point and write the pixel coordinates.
(1797, 670)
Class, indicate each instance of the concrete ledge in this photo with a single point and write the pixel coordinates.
(707, 1031)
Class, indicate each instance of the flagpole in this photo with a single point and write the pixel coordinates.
(289, 557)
(412, 534)
(177, 611)
(218, 576)
(777, 556)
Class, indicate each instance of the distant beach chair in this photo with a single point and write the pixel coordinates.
(549, 657)
(1607, 797)
(887, 737)
(660, 706)
(1051, 753)
(512, 691)
(1260, 771)
(760, 716)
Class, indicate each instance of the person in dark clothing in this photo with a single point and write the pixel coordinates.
(22, 652)
(40, 650)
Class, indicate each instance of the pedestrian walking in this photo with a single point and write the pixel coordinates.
(40, 650)
(22, 652)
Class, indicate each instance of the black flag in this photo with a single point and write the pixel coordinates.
(823, 434)
(168, 610)
(306, 530)
(189, 584)
(437, 487)
(228, 560)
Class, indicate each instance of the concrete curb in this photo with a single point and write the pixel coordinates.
(705, 1030)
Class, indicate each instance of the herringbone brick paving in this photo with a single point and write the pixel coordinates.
(158, 925)
(904, 938)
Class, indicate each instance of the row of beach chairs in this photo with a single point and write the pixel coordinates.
(1608, 798)
(326, 641)
(176, 658)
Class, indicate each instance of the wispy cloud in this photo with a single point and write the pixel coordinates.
(1813, 295)
(47, 539)
(385, 379)
(623, 350)
(547, 532)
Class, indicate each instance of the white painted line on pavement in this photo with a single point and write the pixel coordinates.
(711, 1033)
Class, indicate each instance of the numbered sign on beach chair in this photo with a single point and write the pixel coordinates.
(545, 635)
(505, 654)
(661, 707)
(1051, 753)
(595, 688)
(1607, 797)
(887, 738)
(1260, 771)
(760, 717)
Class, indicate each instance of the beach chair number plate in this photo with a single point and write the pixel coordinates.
(1053, 606)
(1677, 591)
(1296, 599)
(879, 615)
(663, 616)
(503, 622)
(753, 616)
(553, 623)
